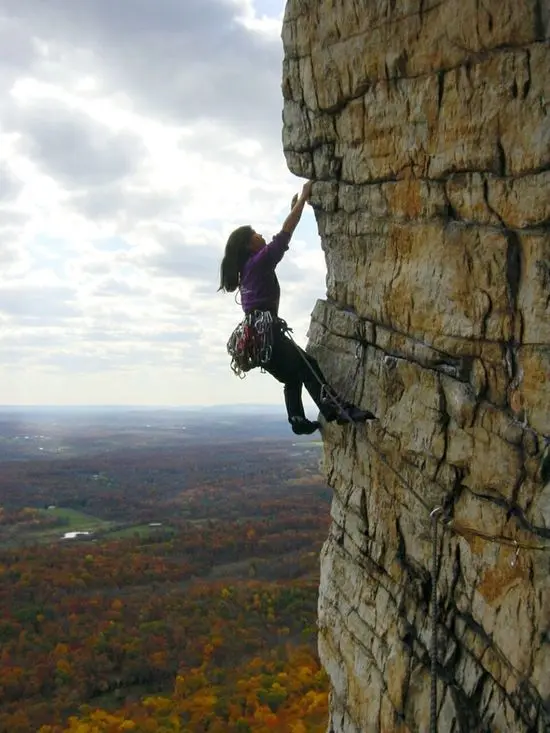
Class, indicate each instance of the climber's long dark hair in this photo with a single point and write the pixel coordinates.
(236, 254)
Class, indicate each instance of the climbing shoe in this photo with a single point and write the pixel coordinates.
(303, 426)
(329, 414)
(354, 414)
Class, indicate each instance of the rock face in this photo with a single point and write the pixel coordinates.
(426, 126)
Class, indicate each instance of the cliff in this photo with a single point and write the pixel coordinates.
(426, 126)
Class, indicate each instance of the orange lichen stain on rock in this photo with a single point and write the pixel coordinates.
(516, 400)
(498, 580)
(412, 200)
(405, 198)
(477, 544)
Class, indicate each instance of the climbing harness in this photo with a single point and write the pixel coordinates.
(251, 342)
(251, 345)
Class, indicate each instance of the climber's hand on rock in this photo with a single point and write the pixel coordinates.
(306, 190)
(303, 197)
(298, 203)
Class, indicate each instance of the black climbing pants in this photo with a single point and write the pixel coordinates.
(295, 368)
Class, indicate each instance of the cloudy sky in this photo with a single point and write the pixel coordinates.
(134, 136)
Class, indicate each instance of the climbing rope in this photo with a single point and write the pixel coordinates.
(360, 352)
(327, 394)
(345, 388)
(251, 343)
(465, 531)
(360, 358)
(433, 647)
(243, 360)
(345, 393)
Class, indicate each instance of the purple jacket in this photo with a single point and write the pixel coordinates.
(259, 287)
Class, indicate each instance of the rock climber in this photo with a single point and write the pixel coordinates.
(261, 339)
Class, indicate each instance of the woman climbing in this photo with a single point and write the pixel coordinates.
(261, 338)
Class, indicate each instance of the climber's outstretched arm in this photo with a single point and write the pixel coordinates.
(291, 222)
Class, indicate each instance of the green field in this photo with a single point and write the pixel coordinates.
(139, 529)
(66, 520)
(72, 520)
(75, 521)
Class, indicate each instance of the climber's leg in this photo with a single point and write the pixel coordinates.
(284, 366)
(316, 384)
(293, 399)
(333, 407)
(294, 367)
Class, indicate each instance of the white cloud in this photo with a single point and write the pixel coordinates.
(135, 137)
(72, 148)
(38, 303)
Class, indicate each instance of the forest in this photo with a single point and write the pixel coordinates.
(159, 572)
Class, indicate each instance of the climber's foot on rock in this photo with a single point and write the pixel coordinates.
(303, 426)
(354, 414)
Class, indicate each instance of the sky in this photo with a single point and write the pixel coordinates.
(135, 135)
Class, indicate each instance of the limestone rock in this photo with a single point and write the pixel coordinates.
(426, 126)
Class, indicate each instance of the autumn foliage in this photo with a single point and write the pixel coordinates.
(201, 624)
(239, 656)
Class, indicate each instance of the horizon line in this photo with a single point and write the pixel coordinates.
(141, 406)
